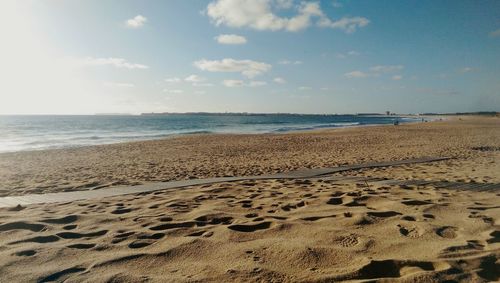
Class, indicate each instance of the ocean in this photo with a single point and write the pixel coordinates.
(20, 132)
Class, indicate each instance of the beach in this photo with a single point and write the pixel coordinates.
(201, 156)
(297, 230)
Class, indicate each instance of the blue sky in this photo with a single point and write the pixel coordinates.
(85, 57)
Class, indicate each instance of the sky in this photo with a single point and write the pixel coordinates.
(342, 56)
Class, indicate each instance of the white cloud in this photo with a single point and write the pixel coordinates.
(356, 74)
(348, 25)
(386, 68)
(247, 68)
(194, 79)
(115, 62)
(353, 53)
(136, 22)
(119, 85)
(173, 91)
(495, 33)
(199, 92)
(376, 71)
(232, 83)
(288, 62)
(258, 14)
(465, 70)
(279, 80)
(305, 88)
(257, 83)
(173, 80)
(230, 39)
(240, 83)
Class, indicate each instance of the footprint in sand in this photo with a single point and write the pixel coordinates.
(251, 215)
(291, 206)
(60, 276)
(70, 227)
(63, 220)
(408, 218)
(196, 234)
(20, 225)
(137, 244)
(72, 235)
(245, 203)
(411, 232)
(348, 241)
(486, 219)
(215, 219)
(124, 235)
(121, 210)
(495, 237)
(155, 236)
(250, 227)
(482, 208)
(26, 253)
(81, 246)
(447, 232)
(383, 214)
(335, 201)
(416, 202)
(473, 247)
(38, 239)
(315, 218)
(428, 216)
(358, 201)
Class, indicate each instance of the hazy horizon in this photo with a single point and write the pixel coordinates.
(256, 113)
(263, 56)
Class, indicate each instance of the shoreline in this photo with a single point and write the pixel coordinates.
(204, 133)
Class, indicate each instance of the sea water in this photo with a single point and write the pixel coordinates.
(20, 132)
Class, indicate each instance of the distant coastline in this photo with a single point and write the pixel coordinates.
(260, 114)
(479, 113)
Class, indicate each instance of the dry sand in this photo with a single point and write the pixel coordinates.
(270, 231)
